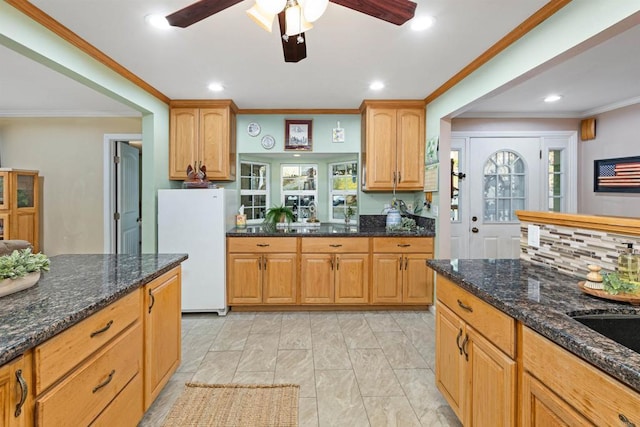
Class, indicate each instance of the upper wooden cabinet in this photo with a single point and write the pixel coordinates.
(393, 141)
(203, 133)
(20, 206)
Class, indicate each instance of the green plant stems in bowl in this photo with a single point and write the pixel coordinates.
(278, 214)
(22, 262)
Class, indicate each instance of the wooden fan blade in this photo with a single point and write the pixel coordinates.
(293, 51)
(394, 11)
(198, 11)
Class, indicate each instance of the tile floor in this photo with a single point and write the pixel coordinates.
(354, 368)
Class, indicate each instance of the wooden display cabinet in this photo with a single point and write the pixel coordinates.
(20, 206)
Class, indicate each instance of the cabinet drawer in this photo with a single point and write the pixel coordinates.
(335, 245)
(126, 409)
(403, 244)
(496, 326)
(57, 356)
(594, 394)
(262, 244)
(80, 397)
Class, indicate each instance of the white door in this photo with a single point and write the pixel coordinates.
(504, 176)
(459, 200)
(128, 199)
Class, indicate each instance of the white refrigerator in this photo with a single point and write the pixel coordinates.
(195, 222)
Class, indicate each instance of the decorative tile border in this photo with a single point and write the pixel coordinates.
(570, 250)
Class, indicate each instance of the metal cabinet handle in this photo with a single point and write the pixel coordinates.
(400, 266)
(331, 261)
(336, 246)
(24, 390)
(399, 176)
(404, 245)
(465, 307)
(105, 382)
(260, 263)
(626, 421)
(262, 245)
(406, 262)
(337, 263)
(264, 260)
(465, 343)
(153, 300)
(101, 330)
(458, 341)
(394, 178)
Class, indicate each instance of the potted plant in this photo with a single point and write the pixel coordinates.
(21, 270)
(278, 214)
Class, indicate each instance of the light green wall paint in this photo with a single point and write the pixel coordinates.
(21, 34)
(576, 23)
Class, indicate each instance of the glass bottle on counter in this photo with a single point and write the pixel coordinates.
(628, 265)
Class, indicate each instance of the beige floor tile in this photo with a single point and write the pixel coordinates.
(296, 367)
(339, 400)
(420, 388)
(375, 376)
(295, 334)
(233, 335)
(324, 322)
(330, 351)
(382, 322)
(400, 353)
(245, 315)
(295, 315)
(267, 323)
(357, 333)
(218, 367)
(253, 377)
(260, 353)
(158, 411)
(390, 412)
(308, 412)
(194, 349)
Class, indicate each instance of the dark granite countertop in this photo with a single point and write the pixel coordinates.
(75, 287)
(369, 226)
(542, 298)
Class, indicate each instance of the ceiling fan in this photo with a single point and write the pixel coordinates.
(294, 16)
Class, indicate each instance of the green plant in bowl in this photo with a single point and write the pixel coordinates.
(22, 262)
(278, 214)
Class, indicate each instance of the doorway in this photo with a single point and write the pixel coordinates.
(509, 172)
(123, 190)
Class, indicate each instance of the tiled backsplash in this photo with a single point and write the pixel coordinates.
(570, 249)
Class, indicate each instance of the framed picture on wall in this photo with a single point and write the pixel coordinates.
(621, 175)
(298, 135)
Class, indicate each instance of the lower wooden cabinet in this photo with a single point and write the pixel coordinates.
(16, 394)
(473, 373)
(162, 332)
(560, 389)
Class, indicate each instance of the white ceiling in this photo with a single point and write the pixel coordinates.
(345, 51)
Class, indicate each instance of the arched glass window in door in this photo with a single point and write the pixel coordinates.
(504, 186)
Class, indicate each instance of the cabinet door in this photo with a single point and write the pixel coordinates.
(387, 278)
(417, 281)
(244, 278)
(5, 231)
(162, 332)
(279, 278)
(351, 278)
(410, 142)
(183, 141)
(14, 385)
(543, 408)
(491, 379)
(450, 364)
(4, 190)
(25, 227)
(316, 278)
(380, 148)
(214, 149)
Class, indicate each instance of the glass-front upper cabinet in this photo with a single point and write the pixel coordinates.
(4, 190)
(4, 226)
(25, 190)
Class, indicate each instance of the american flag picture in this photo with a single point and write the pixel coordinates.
(625, 175)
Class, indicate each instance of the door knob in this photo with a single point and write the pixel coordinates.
(474, 230)
(474, 218)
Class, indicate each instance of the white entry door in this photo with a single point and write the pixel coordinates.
(128, 199)
(504, 176)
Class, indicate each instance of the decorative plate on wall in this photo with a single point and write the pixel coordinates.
(268, 142)
(253, 129)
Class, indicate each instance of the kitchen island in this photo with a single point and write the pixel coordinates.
(546, 345)
(96, 321)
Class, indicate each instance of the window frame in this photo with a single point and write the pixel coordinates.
(250, 192)
(284, 193)
(345, 193)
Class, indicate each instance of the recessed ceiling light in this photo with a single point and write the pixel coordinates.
(216, 87)
(376, 85)
(552, 98)
(157, 21)
(421, 23)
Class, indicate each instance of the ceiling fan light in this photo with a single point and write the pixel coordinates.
(295, 22)
(261, 17)
(313, 9)
(272, 6)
